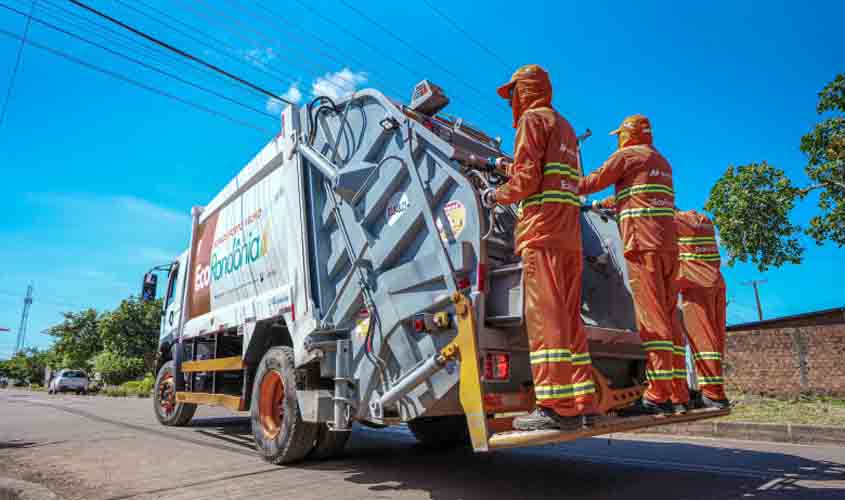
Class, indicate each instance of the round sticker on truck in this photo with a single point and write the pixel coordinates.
(455, 215)
(396, 207)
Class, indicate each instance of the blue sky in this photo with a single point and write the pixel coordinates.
(100, 175)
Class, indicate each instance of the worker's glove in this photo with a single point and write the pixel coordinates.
(488, 198)
(596, 207)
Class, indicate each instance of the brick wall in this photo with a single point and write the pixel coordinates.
(787, 361)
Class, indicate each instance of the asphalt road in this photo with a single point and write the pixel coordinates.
(102, 448)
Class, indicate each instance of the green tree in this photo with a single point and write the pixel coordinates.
(77, 338)
(131, 330)
(29, 365)
(116, 368)
(751, 204)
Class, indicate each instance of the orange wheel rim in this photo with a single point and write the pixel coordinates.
(167, 395)
(271, 399)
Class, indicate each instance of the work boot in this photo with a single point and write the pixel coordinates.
(647, 407)
(680, 408)
(589, 419)
(719, 404)
(694, 400)
(544, 419)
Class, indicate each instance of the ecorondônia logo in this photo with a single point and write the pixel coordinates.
(231, 260)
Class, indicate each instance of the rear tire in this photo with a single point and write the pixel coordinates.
(281, 436)
(329, 444)
(168, 411)
(441, 432)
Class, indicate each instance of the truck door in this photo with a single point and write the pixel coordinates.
(173, 299)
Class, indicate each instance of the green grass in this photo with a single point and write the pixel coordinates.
(802, 410)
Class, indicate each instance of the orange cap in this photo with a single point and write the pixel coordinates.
(531, 71)
(635, 129)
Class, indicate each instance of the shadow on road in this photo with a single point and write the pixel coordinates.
(390, 461)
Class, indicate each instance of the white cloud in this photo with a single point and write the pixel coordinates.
(260, 56)
(292, 94)
(338, 84)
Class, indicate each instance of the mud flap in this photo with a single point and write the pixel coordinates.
(465, 346)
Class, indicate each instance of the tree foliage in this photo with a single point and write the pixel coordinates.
(132, 329)
(119, 344)
(116, 368)
(751, 204)
(77, 338)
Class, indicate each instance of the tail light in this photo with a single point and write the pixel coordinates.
(481, 278)
(419, 325)
(497, 366)
(463, 283)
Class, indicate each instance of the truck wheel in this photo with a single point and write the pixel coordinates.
(440, 432)
(281, 436)
(329, 444)
(168, 411)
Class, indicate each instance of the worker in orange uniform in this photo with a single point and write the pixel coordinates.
(644, 200)
(543, 180)
(703, 303)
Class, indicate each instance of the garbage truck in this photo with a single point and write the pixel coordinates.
(349, 273)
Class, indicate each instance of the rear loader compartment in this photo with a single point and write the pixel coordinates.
(353, 259)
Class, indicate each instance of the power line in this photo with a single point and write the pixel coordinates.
(260, 35)
(143, 64)
(411, 71)
(467, 34)
(263, 19)
(179, 51)
(124, 78)
(229, 52)
(413, 48)
(275, 16)
(129, 42)
(17, 64)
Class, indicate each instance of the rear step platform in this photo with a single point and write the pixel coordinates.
(603, 425)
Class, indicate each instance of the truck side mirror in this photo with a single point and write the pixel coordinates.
(148, 291)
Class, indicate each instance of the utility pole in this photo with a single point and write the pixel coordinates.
(754, 284)
(27, 302)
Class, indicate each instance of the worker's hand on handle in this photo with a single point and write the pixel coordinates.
(488, 198)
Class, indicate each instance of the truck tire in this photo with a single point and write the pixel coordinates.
(441, 432)
(329, 444)
(281, 436)
(168, 411)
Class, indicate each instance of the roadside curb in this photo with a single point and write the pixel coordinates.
(778, 433)
(14, 489)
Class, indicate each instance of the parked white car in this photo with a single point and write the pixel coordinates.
(69, 380)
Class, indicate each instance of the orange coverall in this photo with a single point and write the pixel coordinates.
(703, 303)
(645, 201)
(543, 180)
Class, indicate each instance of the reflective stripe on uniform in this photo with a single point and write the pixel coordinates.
(711, 380)
(644, 188)
(679, 350)
(707, 356)
(707, 257)
(646, 212)
(543, 392)
(659, 345)
(560, 169)
(696, 240)
(551, 196)
(680, 374)
(581, 359)
(660, 374)
(551, 356)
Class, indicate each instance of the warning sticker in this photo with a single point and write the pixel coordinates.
(362, 324)
(396, 207)
(455, 215)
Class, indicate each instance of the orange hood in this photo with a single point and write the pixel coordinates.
(531, 89)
